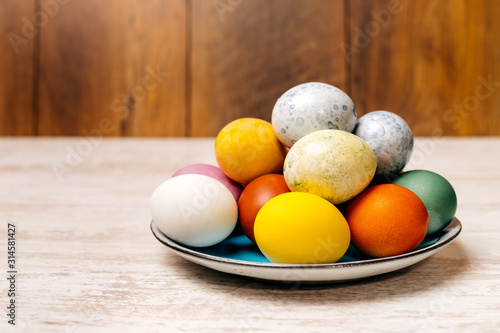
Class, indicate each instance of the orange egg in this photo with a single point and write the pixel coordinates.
(255, 195)
(387, 220)
(247, 148)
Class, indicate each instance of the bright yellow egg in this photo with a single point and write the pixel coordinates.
(301, 228)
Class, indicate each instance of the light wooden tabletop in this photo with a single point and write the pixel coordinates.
(86, 260)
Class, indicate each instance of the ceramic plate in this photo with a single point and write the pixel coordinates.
(238, 255)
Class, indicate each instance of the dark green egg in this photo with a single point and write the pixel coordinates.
(437, 194)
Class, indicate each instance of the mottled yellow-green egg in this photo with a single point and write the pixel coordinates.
(335, 165)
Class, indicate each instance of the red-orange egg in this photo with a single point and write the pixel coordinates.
(255, 195)
(387, 220)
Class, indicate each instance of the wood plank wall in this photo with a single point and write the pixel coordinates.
(17, 114)
(188, 67)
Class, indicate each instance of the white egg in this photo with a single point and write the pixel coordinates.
(194, 210)
(311, 107)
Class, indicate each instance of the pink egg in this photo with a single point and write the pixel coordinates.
(214, 172)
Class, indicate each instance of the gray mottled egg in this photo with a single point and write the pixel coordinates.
(311, 107)
(390, 138)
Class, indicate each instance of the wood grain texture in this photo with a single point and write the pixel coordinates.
(121, 61)
(88, 67)
(88, 262)
(428, 61)
(245, 54)
(17, 47)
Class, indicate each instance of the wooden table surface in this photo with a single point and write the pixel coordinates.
(87, 261)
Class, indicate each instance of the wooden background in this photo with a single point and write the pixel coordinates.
(188, 67)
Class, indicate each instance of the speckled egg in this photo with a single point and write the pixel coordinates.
(335, 165)
(390, 138)
(311, 107)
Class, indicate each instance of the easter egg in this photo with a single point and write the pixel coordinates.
(387, 220)
(301, 228)
(311, 107)
(437, 194)
(194, 210)
(214, 172)
(247, 148)
(255, 195)
(390, 138)
(334, 165)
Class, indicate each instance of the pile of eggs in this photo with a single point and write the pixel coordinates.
(308, 185)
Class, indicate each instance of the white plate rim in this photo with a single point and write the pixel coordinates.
(238, 266)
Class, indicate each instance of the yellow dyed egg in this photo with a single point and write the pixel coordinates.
(333, 164)
(301, 228)
(247, 148)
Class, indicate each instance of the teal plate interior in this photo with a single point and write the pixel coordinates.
(238, 247)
